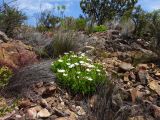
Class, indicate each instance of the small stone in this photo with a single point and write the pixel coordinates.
(143, 76)
(126, 66)
(25, 103)
(44, 113)
(43, 103)
(32, 113)
(80, 111)
(18, 116)
(49, 91)
(156, 111)
(139, 87)
(40, 84)
(137, 118)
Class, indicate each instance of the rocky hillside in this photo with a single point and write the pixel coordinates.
(133, 72)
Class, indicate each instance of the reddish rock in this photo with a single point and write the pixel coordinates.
(16, 54)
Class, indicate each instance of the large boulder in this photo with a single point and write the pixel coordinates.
(16, 54)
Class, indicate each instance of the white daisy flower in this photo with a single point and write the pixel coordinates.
(88, 78)
(65, 75)
(68, 64)
(74, 56)
(76, 64)
(78, 72)
(91, 66)
(68, 59)
(88, 70)
(81, 62)
(61, 70)
(89, 60)
(98, 70)
(71, 66)
(60, 60)
(83, 54)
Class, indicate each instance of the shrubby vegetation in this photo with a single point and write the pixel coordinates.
(5, 74)
(10, 18)
(62, 42)
(78, 73)
(100, 28)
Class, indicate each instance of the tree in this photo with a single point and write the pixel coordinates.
(100, 10)
(155, 26)
(140, 19)
(47, 21)
(10, 18)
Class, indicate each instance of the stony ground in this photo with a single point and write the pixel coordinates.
(134, 92)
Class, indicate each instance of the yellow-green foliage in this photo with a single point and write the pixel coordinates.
(5, 74)
(80, 24)
(100, 28)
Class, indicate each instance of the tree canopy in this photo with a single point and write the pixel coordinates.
(100, 10)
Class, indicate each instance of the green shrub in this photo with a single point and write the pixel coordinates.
(78, 73)
(62, 42)
(100, 28)
(10, 18)
(5, 74)
(80, 24)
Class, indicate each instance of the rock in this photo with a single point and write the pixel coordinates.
(32, 113)
(3, 37)
(72, 116)
(126, 66)
(43, 103)
(126, 77)
(93, 100)
(155, 85)
(60, 113)
(44, 113)
(49, 91)
(142, 66)
(80, 111)
(156, 110)
(2, 102)
(137, 118)
(135, 93)
(25, 103)
(143, 76)
(18, 116)
(132, 76)
(15, 54)
(157, 73)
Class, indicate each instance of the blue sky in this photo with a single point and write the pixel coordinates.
(32, 7)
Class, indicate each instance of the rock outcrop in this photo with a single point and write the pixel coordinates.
(16, 54)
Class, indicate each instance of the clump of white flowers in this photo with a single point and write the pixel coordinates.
(78, 72)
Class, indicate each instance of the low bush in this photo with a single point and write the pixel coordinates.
(80, 24)
(62, 42)
(5, 74)
(100, 28)
(10, 18)
(79, 73)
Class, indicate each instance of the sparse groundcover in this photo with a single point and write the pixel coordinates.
(5, 74)
(79, 73)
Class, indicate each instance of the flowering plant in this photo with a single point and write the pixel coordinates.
(79, 73)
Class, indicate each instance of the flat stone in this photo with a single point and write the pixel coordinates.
(126, 66)
(44, 113)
